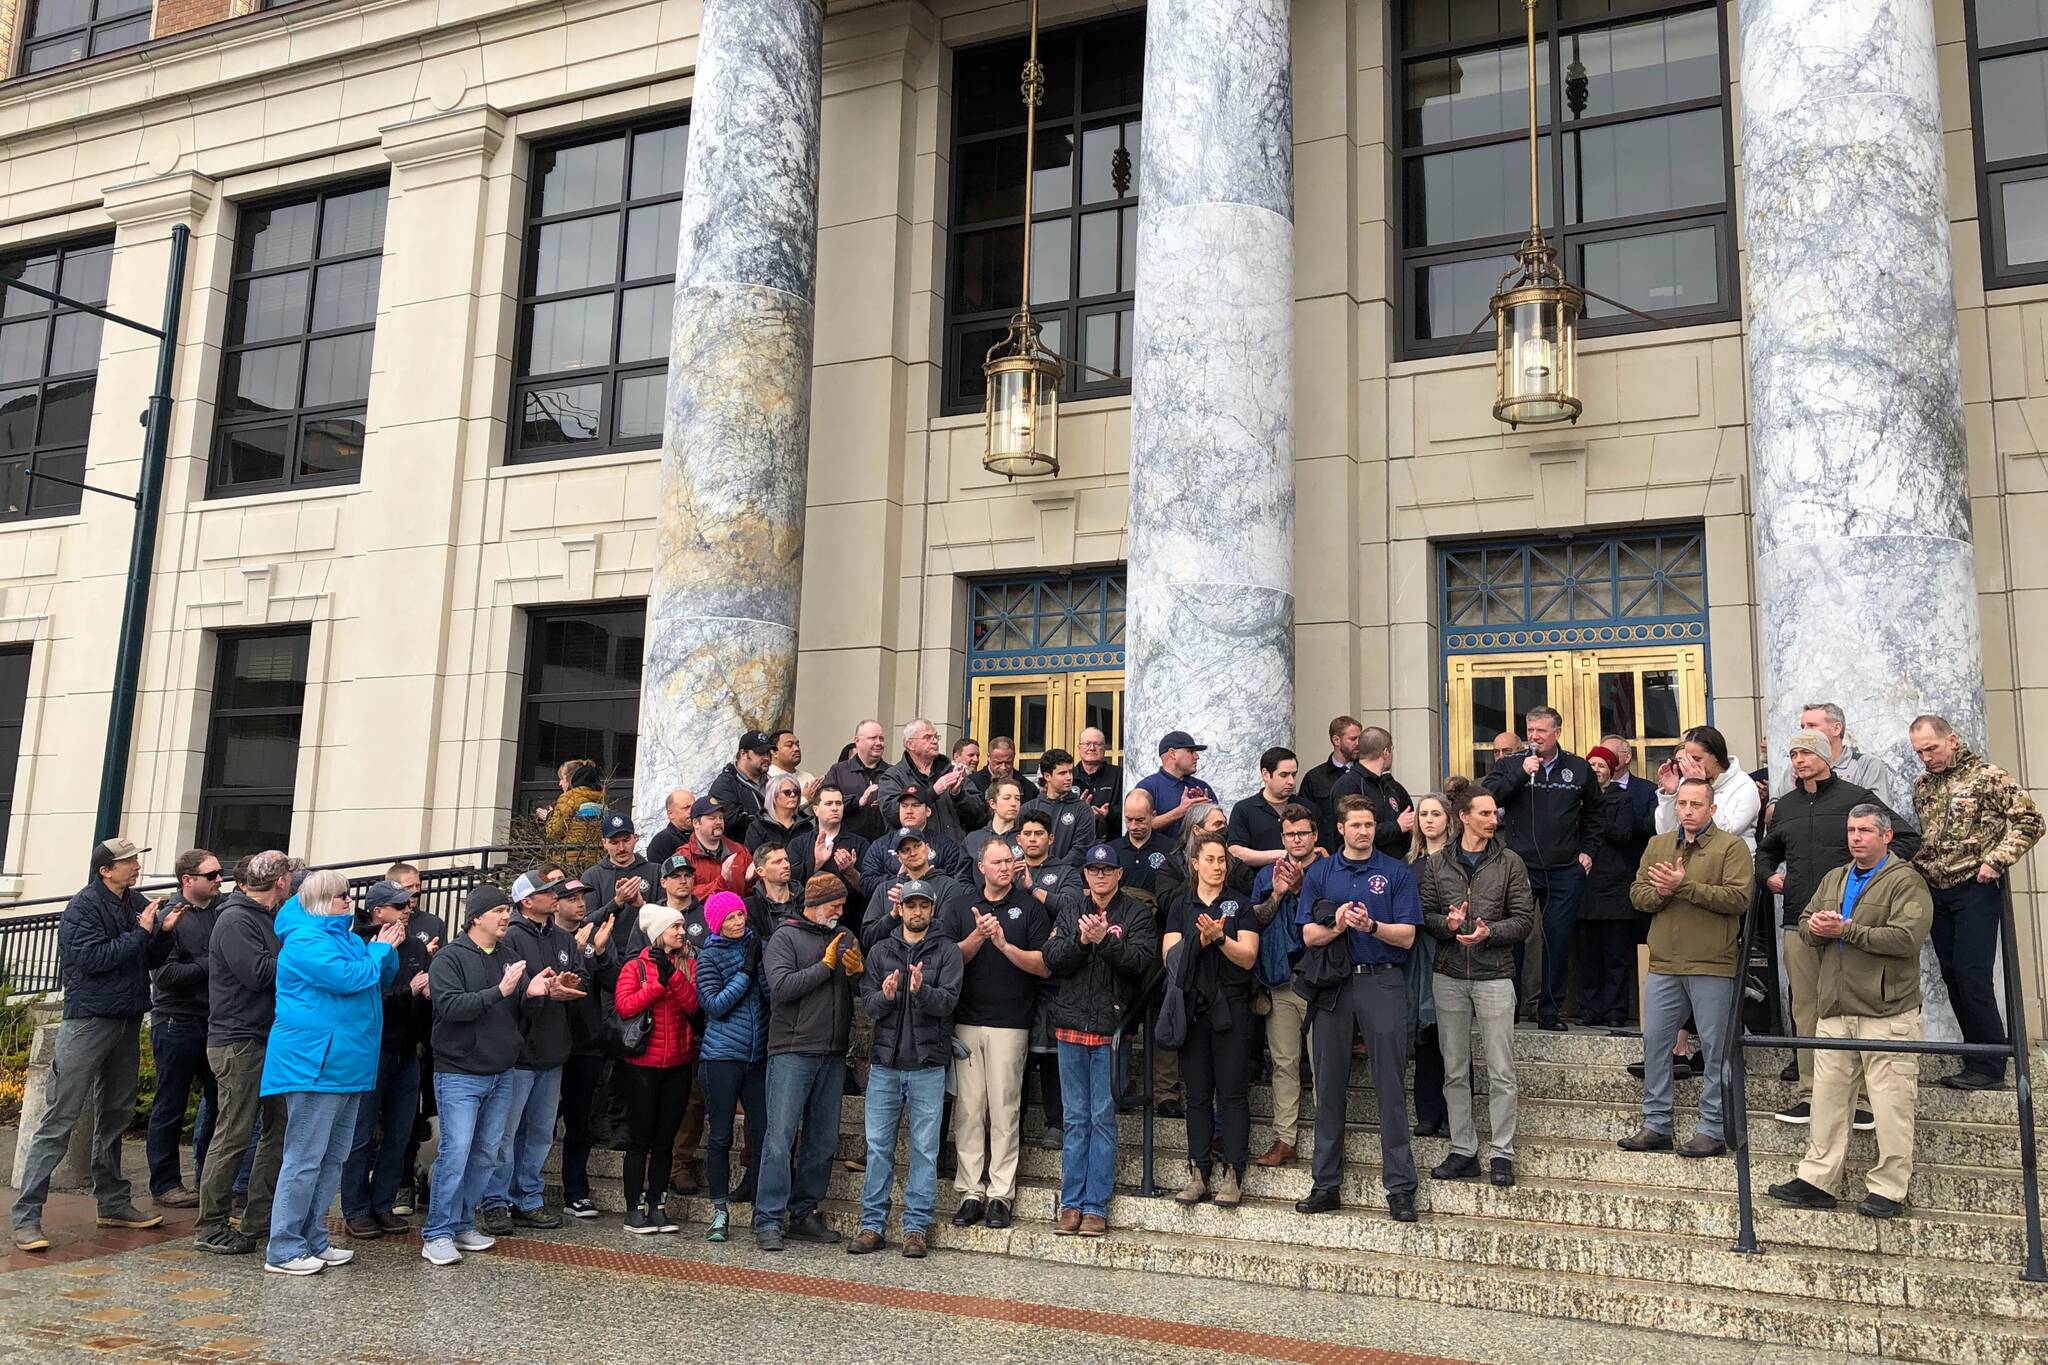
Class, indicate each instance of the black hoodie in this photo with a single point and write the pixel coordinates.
(241, 972)
(547, 1035)
(477, 1028)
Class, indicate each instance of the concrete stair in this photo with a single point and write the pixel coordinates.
(1589, 1232)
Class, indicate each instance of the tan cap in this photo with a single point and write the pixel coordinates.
(1813, 741)
(115, 851)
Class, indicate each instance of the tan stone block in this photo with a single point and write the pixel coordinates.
(1961, 153)
(1116, 439)
(1413, 665)
(860, 141)
(1374, 278)
(1659, 383)
(1373, 517)
(1401, 418)
(1375, 169)
(2006, 347)
(2030, 660)
(1372, 104)
(855, 424)
(1373, 598)
(1325, 682)
(1995, 625)
(1455, 405)
(1324, 587)
(1324, 214)
(1323, 377)
(1411, 582)
(1729, 561)
(2027, 554)
(1322, 59)
(1371, 443)
(856, 291)
(1730, 382)
(1988, 532)
(842, 610)
(1976, 354)
(1949, 21)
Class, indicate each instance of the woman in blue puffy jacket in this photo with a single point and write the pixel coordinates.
(322, 1058)
(733, 1063)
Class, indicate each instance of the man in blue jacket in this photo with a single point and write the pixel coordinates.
(103, 943)
(1276, 901)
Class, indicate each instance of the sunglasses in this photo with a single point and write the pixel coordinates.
(212, 876)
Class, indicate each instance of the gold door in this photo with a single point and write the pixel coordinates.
(1049, 711)
(1096, 700)
(1647, 696)
(1489, 693)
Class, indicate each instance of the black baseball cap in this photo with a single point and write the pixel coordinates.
(616, 824)
(756, 742)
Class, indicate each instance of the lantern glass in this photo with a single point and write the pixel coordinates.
(1536, 356)
(1022, 417)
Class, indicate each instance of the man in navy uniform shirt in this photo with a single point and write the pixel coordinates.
(1371, 900)
(1174, 789)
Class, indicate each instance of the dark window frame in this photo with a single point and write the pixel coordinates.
(614, 372)
(213, 795)
(1992, 178)
(299, 417)
(530, 792)
(1569, 239)
(1073, 311)
(13, 718)
(68, 501)
(86, 32)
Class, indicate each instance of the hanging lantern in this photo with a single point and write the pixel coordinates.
(1023, 408)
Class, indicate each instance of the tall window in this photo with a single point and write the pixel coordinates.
(598, 291)
(49, 360)
(302, 314)
(13, 707)
(582, 697)
(2009, 84)
(62, 31)
(1641, 180)
(252, 743)
(1084, 204)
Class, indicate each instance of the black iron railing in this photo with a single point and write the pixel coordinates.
(2015, 1050)
(1142, 1018)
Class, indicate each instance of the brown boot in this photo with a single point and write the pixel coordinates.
(1093, 1225)
(913, 1246)
(1279, 1154)
(1196, 1189)
(1070, 1222)
(866, 1243)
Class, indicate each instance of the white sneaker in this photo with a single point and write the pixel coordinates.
(474, 1241)
(441, 1251)
(302, 1265)
(335, 1256)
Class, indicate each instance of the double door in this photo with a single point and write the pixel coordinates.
(1049, 711)
(1648, 696)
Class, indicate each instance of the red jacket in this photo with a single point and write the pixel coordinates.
(724, 871)
(673, 1042)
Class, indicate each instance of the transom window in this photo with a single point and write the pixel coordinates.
(1084, 204)
(64, 31)
(1641, 180)
(1586, 591)
(252, 743)
(49, 364)
(2009, 89)
(1072, 620)
(598, 291)
(582, 698)
(302, 315)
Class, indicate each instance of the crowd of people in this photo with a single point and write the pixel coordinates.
(699, 985)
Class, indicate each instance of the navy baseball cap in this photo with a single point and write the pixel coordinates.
(616, 824)
(706, 805)
(906, 835)
(386, 893)
(1179, 739)
(1102, 855)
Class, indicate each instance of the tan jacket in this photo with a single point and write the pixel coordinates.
(1873, 969)
(1694, 931)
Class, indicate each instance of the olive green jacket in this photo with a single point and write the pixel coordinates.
(1873, 969)
(1695, 927)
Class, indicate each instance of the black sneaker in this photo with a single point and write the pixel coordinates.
(1790, 1075)
(768, 1239)
(1503, 1172)
(1967, 1080)
(1456, 1166)
(811, 1228)
(1645, 1139)
(1800, 1114)
(1864, 1121)
(1170, 1109)
(1401, 1207)
(226, 1242)
(641, 1222)
(1802, 1194)
(1318, 1201)
(542, 1217)
(580, 1208)
(1877, 1206)
(1553, 1025)
(494, 1222)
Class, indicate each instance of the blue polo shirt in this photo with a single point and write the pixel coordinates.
(1383, 885)
(1166, 791)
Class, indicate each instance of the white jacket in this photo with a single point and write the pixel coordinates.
(1736, 807)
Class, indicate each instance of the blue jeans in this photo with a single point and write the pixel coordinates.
(1557, 896)
(530, 1131)
(1088, 1151)
(369, 1179)
(179, 1047)
(890, 1092)
(804, 1090)
(316, 1142)
(474, 1111)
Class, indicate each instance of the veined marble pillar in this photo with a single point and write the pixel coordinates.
(1864, 563)
(722, 613)
(1210, 619)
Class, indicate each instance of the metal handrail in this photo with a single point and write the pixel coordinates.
(1142, 1017)
(2015, 1048)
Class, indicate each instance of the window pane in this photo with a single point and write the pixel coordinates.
(263, 381)
(573, 178)
(644, 318)
(2010, 21)
(1651, 166)
(578, 254)
(252, 454)
(1473, 95)
(991, 180)
(1659, 272)
(114, 9)
(2024, 204)
(1052, 261)
(1113, 68)
(85, 273)
(45, 56)
(1489, 709)
(67, 413)
(235, 829)
(2015, 91)
(18, 411)
(970, 352)
(271, 237)
(1052, 181)
(263, 671)
(46, 498)
(987, 270)
(255, 751)
(14, 487)
(658, 161)
(330, 446)
(22, 346)
(269, 307)
(1430, 22)
(653, 240)
(642, 398)
(1100, 338)
(1109, 163)
(598, 653)
(1127, 279)
(1450, 300)
(1642, 65)
(74, 344)
(1100, 235)
(1618, 705)
(55, 16)
(338, 370)
(569, 335)
(353, 223)
(346, 294)
(558, 415)
(40, 271)
(1477, 192)
(1660, 704)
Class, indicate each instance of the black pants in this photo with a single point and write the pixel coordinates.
(1046, 1066)
(1607, 963)
(726, 1086)
(1373, 1006)
(1216, 1068)
(580, 1077)
(1430, 1110)
(655, 1098)
(422, 1129)
(1966, 934)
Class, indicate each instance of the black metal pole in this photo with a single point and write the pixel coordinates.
(2023, 1080)
(149, 493)
(1735, 1090)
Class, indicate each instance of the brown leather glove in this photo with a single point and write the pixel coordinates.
(834, 948)
(851, 962)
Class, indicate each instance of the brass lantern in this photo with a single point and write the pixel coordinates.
(1021, 416)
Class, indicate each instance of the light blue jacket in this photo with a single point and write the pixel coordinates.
(330, 1005)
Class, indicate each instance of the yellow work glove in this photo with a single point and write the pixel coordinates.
(850, 961)
(833, 948)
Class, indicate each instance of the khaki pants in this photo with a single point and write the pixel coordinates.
(1892, 1080)
(1285, 1026)
(1802, 977)
(988, 1109)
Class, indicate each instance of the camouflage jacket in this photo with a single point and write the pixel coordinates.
(1972, 814)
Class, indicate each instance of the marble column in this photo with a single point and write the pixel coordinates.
(1864, 563)
(1210, 620)
(722, 612)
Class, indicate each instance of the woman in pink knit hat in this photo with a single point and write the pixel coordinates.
(733, 1063)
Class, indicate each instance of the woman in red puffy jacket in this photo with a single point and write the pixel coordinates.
(656, 1083)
